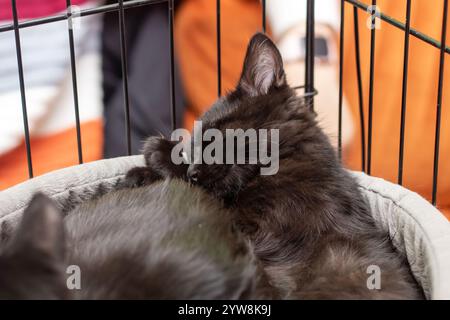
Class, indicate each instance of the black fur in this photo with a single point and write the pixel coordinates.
(168, 240)
(310, 231)
(309, 225)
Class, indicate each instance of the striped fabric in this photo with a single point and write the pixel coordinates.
(34, 8)
(47, 76)
(45, 53)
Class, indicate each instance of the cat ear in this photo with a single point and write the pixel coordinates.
(32, 264)
(263, 67)
(41, 231)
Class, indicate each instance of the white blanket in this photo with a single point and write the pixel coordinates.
(415, 226)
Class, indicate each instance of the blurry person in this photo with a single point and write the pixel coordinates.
(147, 44)
(49, 93)
(48, 89)
(196, 34)
(421, 99)
(288, 24)
(287, 18)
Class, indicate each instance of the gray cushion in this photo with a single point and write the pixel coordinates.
(417, 228)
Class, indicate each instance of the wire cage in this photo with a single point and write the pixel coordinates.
(358, 6)
(408, 32)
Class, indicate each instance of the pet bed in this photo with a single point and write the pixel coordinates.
(416, 228)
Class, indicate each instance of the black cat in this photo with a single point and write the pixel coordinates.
(164, 241)
(309, 225)
(220, 231)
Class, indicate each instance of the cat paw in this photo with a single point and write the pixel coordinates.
(157, 154)
(139, 177)
(156, 144)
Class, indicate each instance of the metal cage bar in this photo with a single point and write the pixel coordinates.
(310, 91)
(172, 66)
(360, 89)
(371, 92)
(394, 22)
(22, 88)
(263, 4)
(74, 79)
(309, 56)
(444, 49)
(341, 78)
(219, 50)
(124, 62)
(137, 3)
(439, 103)
(85, 12)
(404, 92)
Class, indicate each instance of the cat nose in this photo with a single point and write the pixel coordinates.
(193, 174)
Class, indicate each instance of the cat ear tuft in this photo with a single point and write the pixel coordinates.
(263, 67)
(41, 230)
